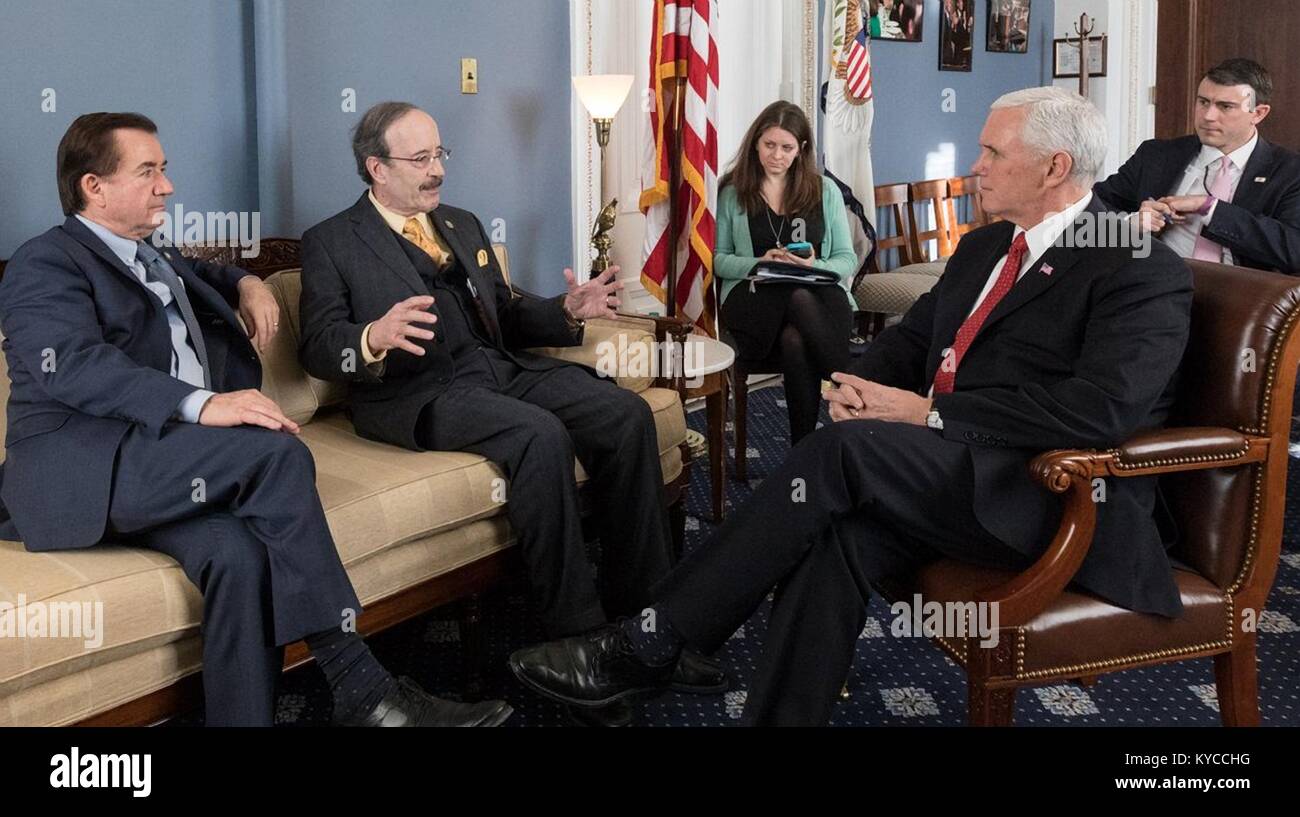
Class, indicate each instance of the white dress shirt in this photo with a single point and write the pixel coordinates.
(1038, 239)
(1181, 238)
(185, 361)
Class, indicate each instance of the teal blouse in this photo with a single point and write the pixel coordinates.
(733, 256)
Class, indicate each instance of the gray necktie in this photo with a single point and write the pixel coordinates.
(157, 267)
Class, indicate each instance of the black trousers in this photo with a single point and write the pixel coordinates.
(238, 509)
(532, 424)
(805, 328)
(856, 502)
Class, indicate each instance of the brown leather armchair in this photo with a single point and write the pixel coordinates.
(1222, 464)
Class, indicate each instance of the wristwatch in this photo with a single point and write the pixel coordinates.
(933, 420)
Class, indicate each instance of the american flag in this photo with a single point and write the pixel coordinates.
(683, 44)
(858, 76)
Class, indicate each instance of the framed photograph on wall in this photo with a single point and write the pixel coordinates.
(1065, 57)
(898, 20)
(1008, 26)
(956, 34)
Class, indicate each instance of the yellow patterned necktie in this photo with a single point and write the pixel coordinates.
(413, 232)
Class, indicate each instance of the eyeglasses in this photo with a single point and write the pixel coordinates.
(424, 160)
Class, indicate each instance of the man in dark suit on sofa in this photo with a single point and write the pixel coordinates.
(134, 418)
(403, 299)
(1224, 193)
(1038, 336)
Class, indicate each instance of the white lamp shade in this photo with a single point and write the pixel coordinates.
(603, 94)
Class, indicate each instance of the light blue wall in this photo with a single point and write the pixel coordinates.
(510, 142)
(189, 72)
(247, 96)
(910, 122)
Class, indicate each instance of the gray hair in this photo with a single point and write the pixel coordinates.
(1061, 120)
(368, 136)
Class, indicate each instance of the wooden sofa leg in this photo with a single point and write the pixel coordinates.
(472, 646)
(1236, 679)
(989, 707)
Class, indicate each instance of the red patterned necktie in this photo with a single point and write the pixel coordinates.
(947, 373)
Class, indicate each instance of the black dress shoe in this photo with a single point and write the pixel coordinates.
(616, 714)
(699, 675)
(406, 704)
(594, 669)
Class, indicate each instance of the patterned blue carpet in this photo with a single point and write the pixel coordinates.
(896, 681)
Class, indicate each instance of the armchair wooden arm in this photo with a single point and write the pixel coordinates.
(1071, 472)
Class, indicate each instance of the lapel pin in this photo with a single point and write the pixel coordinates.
(1261, 178)
(450, 226)
(482, 258)
(1047, 269)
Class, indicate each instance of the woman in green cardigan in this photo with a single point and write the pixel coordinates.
(773, 195)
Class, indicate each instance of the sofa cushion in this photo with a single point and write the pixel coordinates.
(892, 293)
(376, 495)
(287, 286)
(151, 618)
(283, 378)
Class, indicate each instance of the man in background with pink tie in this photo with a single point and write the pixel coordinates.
(1036, 337)
(1224, 193)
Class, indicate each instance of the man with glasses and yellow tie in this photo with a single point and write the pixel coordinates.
(1224, 193)
(403, 299)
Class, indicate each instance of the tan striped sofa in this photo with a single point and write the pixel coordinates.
(415, 530)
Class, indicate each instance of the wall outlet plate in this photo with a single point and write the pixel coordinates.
(468, 75)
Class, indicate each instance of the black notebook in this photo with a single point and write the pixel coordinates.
(786, 273)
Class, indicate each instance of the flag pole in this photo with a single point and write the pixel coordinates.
(675, 176)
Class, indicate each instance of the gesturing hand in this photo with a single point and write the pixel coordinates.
(595, 299)
(398, 324)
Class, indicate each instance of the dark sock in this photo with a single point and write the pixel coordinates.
(653, 638)
(357, 680)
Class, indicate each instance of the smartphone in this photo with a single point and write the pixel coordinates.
(800, 248)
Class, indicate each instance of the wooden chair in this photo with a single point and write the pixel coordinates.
(959, 188)
(932, 195)
(894, 198)
(1222, 465)
(880, 291)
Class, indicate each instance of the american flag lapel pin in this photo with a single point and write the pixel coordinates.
(1047, 269)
